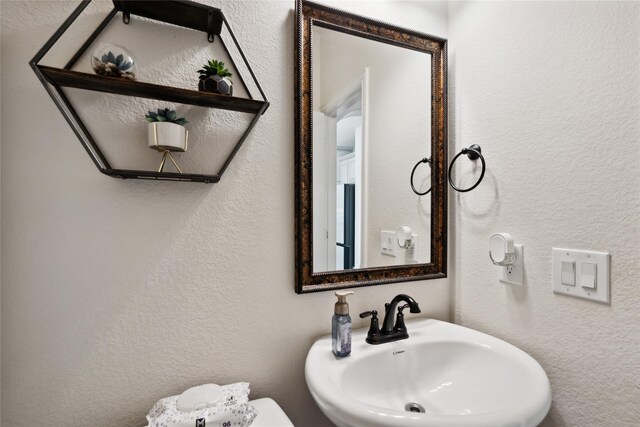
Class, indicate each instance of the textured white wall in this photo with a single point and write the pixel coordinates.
(117, 293)
(550, 90)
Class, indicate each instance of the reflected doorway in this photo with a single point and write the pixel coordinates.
(339, 132)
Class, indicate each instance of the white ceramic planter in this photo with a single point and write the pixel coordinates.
(168, 136)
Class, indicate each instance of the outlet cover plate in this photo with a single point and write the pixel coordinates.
(514, 274)
(412, 252)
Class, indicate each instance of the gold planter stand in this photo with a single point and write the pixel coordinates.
(166, 154)
(167, 149)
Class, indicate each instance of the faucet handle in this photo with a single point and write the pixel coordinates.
(400, 326)
(374, 329)
(402, 308)
(372, 313)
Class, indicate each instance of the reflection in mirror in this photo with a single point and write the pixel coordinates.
(370, 103)
(371, 121)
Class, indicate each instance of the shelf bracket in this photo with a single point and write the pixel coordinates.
(210, 27)
(126, 16)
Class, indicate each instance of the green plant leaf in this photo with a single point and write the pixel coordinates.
(171, 115)
(214, 68)
(161, 118)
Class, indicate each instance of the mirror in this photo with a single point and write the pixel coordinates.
(371, 105)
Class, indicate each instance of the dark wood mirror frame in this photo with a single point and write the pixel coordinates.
(307, 15)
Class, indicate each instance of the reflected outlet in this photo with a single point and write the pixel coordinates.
(412, 252)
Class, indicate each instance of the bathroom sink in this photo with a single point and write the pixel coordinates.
(442, 375)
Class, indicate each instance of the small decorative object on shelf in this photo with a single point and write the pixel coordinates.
(113, 61)
(215, 78)
(166, 134)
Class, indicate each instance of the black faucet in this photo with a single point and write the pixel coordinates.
(390, 331)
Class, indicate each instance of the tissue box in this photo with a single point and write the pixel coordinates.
(227, 407)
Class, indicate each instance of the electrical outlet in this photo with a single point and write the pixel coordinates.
(514, 273)
(412, 252)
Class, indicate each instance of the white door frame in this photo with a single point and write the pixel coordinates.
(329, 108)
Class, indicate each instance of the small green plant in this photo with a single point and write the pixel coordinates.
(165, 115)
(213, 68)
(112, 65)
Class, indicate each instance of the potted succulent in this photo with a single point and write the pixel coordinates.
(113, 61)
(167, 131)
(215, 78)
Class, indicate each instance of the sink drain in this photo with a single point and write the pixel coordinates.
(414, 407)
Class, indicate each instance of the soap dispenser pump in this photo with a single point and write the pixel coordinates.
(341, 326)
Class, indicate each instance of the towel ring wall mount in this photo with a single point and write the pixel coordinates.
(473, 153)
(424, 160)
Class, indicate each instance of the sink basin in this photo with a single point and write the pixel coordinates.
(443, 375)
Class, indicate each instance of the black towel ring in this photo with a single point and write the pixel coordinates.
(473, 152)
(424, 160)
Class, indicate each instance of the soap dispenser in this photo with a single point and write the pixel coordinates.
(341, 326)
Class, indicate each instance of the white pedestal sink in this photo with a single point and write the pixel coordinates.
(456, 375)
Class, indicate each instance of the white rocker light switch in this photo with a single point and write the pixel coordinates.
(568, 273)
(588, 275)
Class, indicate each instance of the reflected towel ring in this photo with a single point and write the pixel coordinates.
(473, 153)
(424, 160)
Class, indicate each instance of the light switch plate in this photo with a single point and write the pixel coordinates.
(602, 260)
(388, 243)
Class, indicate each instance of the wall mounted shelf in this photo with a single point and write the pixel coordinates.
(79, 80)
(182, 13)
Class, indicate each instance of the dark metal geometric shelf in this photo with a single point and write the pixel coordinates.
(177, 12)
